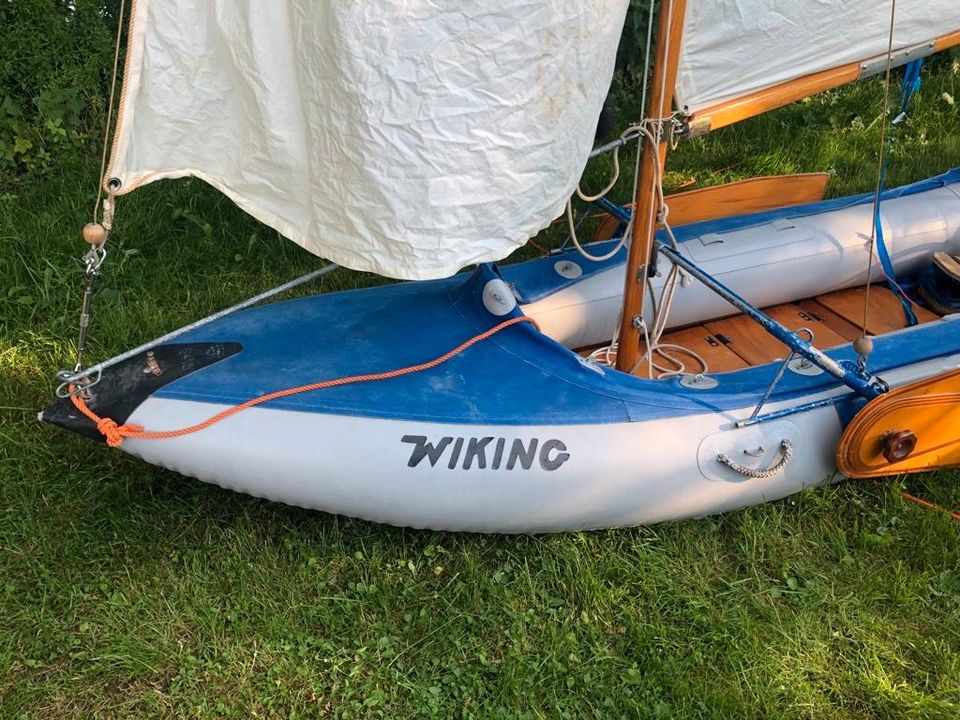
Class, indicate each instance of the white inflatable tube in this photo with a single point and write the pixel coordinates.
(768, 264)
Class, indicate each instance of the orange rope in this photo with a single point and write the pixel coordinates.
(929, 505)
(115, 434)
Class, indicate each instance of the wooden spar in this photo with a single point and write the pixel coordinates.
(669, 38)
(945, 42)
(761, 101)
(735, 198)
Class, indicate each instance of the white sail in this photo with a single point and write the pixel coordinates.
(732, 48)
(403, 137)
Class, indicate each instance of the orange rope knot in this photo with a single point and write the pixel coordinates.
(115, 434)
(107, 427)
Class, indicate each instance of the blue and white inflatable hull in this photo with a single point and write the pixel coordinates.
(519, 433)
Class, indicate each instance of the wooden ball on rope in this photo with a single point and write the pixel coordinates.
(863, 346)
(94, 233)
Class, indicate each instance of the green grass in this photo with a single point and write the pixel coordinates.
(128, 591)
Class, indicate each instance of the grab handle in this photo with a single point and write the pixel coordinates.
(786, 448)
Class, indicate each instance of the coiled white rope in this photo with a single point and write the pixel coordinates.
(629, 134)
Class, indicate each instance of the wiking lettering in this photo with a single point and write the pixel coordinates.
(486, 452)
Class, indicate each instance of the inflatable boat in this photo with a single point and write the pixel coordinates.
(522, 431)
(416, 140)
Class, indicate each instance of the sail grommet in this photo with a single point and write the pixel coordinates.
(498, 298)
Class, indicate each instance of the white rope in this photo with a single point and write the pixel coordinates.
(646, 57)
(652, 131)
(611, 184)
(583, 251)
(661, 310)
(629, 134)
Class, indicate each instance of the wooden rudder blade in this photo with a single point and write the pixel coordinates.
(914, 428)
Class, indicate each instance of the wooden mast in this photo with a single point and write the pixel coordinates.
(669, 38)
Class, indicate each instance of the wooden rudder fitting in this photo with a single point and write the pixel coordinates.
(911, 429)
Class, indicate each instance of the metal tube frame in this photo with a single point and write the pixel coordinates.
(864, 385)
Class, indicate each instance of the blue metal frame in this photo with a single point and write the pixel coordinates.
(867, 386)
(786, 412)
(861, 383)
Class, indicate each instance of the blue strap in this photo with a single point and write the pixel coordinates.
(911, 83)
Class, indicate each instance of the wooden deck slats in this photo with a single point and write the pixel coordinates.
(737, 342)
(719, 357)
(886, 313)
(747, 339)
(794, 317)
(846, 329)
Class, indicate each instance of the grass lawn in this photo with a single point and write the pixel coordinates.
(129, 591)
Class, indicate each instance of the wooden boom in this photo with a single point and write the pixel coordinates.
(761, 101)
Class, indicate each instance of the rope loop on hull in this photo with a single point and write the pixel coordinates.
(786, 448)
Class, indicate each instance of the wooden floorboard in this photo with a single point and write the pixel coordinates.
(747, 339)
(719, 357)
(737, 342)
(794, 317)
(828, 317)
(886, 312)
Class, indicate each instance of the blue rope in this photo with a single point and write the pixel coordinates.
(911, 83)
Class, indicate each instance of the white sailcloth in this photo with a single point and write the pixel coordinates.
(732, 48)
(402, 137)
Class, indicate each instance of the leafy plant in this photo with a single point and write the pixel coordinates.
(54, 77)
(633, 41)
